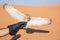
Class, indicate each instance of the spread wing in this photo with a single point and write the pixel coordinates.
(35, 21)
(13, 12)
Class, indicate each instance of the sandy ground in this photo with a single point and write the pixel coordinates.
(48, 32)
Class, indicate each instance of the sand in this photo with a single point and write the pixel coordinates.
(48, 32)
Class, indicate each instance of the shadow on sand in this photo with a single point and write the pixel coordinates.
(15, 37)
(29, 31)
(35, 30)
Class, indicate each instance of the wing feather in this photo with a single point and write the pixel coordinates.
(14, 12)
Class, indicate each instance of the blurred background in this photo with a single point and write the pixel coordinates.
(31, 2)
(39, 8)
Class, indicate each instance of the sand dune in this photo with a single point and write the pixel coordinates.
(49, 32)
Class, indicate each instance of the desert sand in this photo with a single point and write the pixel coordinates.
(48, 32)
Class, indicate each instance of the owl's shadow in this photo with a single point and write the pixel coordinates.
(29, 31)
